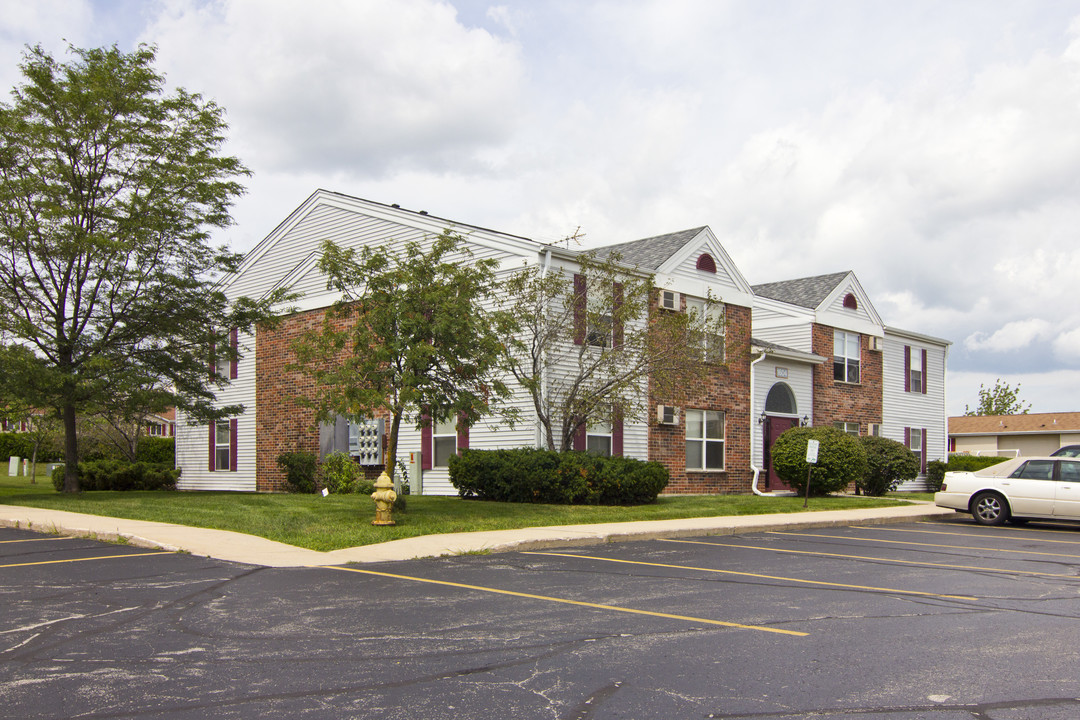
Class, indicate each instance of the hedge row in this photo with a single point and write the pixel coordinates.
(119, 475)
(20, 445)
(529, 475)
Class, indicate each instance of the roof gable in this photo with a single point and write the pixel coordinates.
(837, 300)
(809, 292)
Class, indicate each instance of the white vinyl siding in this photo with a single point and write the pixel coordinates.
(902, 409)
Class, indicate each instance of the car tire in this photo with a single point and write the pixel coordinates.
(989, 508)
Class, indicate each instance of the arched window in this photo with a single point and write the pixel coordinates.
(781, 400)
(850, 302)
(706, 263)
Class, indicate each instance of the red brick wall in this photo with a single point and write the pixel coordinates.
(846, 402)
(726, 388)
(283, 424)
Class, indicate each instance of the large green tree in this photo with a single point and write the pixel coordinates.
(110, 188)
(999, 400)
(411, 335)
(589, 346)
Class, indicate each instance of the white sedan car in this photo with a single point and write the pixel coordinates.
(1017, 490)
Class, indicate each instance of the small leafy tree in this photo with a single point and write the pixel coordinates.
(410, 335)
(888, 463)
(588, 349)
(999, 400)
(109, 190)
(841, 459)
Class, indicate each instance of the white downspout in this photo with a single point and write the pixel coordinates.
(753, 421)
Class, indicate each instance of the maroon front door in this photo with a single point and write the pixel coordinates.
(774, 427)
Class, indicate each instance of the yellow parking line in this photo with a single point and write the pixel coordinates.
(572, 602)
(100, 557)
(757, 575)
(58, 537)
(1026, 530)
(933, 545)
(938, 532)
(875, 559)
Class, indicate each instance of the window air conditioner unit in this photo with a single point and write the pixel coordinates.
(876, 343)
(667, 415)
(669, 300)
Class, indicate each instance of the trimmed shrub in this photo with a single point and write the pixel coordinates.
(157, 450)
(971, 463)
(888, 463)
(531, 475)
(935, 474)
(119, 475)
(339, 473)
(841, 459)
(299, 467)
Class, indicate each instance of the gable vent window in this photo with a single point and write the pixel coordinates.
(705, 262)
(850, 302)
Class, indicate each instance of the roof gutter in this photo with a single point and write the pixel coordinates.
(755, 468)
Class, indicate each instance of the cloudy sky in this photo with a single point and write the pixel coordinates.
(933, 147)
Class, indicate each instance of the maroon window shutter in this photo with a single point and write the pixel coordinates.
(580, 307)
(462, 433)
(907, 437)
(234, 341)
(232, 445)
(212, 365)
(617, 435)
(580, 440)
(925, 376)
(213, 454)
(616, 310)
(907, 368)
(922, 461)
(426, 450)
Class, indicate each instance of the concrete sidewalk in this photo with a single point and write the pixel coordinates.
(252, 550)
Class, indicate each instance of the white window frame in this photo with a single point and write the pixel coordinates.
(847, 354)
(222, 427)
(699, 419)
(712, 343)
(598, 438)
(851, 428)
(917, 374)
(441, 449)
(915, 440)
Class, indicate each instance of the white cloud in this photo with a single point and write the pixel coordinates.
(1011, 336)
(343, 86)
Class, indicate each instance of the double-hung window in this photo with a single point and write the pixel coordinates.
(704, 440)
(915, 441)
(598, 438)
(707, 321)
(222, 445)
(444, 442)
(846, 354)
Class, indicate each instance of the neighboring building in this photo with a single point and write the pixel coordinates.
(161, 425)
(1013, 435)
(776, 377)
(881, 380)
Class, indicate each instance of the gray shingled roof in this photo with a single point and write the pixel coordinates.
(650, 253)
(804, 292)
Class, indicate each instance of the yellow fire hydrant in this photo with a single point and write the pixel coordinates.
(384, 497)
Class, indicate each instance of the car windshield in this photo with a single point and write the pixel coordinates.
(1067, 451)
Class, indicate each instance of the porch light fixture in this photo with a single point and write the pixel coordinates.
(761, 420)
(805, 421)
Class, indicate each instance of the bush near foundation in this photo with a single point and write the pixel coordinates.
(529, 475)
(935, 474)
(888, 463)
(299, 467)
(119, 475)
(340, 474)
(841, 460)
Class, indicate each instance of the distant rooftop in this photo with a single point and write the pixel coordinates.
(1002, 424)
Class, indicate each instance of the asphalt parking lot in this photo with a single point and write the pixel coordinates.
(935, 620)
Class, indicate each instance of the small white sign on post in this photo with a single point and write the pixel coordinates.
(13, 466)
(811, 451)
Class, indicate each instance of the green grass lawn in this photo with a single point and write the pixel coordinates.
(341, 521)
